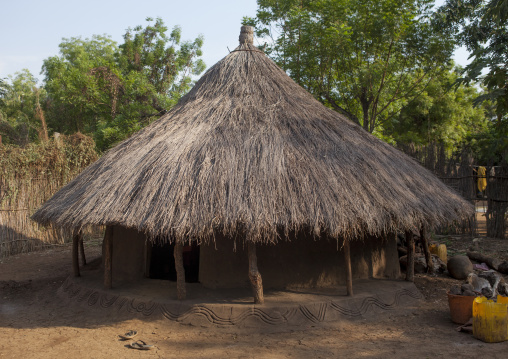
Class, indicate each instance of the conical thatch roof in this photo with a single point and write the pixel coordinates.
(248, 151)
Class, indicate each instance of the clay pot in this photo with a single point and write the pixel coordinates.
(459, 267)
(461, 307)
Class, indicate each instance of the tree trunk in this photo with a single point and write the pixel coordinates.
(180, 271)
(75, 255)
(82, 249)
(108, 257)
(365, 107)
(349, 273)
(426, 251)
(254, 275)
(365, 102)
(410, 270)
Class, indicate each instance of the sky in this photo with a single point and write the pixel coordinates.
(31, 30)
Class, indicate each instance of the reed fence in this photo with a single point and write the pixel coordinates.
(31, 175)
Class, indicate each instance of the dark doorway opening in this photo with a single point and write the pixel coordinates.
(162, 262)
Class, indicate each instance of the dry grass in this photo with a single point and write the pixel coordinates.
(28, 178)
(249, 153)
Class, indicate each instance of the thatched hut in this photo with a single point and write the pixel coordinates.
(249, 171)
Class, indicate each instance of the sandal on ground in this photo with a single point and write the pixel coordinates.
(140, 345)
(129, 335)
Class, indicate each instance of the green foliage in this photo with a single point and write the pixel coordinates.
(19, 123)
(366, 59)
(4, 88)
(111, 91)
(491, 146)
(77, 98)
(440, 114)
(482, 26)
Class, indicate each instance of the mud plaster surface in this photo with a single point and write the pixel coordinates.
(35, 322)
(233, 307)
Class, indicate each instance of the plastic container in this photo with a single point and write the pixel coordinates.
(461, 307)
(490, 319)
(440, 251)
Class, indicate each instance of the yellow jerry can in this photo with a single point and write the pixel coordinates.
(490, 319)
(440, 251)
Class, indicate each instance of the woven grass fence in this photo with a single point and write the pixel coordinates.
(461, 172)
(31, 175)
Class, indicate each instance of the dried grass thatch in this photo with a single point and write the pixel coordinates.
(247, 151)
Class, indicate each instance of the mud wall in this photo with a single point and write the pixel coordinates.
(298, 263)
(128, 254)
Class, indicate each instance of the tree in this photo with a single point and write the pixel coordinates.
(156, 70)
(21, 117)
(77, 98)
(4, 87)
(111, 91)
(441, 114)
(482, 27)
(364, 58)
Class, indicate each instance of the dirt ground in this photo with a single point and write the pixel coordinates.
(35, 324)
(458, 245)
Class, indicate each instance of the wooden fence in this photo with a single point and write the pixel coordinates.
(460, 172)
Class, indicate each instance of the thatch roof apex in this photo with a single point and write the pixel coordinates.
(246, 35)
(247, 151)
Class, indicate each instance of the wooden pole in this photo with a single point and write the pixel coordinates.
(349, 272)
(255, 277)
(426, 251)
(82, 248)
(108, 257)
(180, 271)
(410, 270)
(75, 258)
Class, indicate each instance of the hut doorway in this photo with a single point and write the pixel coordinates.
(162, 262)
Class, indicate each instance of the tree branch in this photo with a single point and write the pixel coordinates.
(341, 110)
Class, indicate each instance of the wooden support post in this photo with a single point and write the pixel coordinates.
(82, 249)
(410, 270)
(255, 277)
(75, 254)
(108, 257)
(349, 273)
(180, 271)
(425, 244)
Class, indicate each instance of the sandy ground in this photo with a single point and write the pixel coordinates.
(34, 323)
